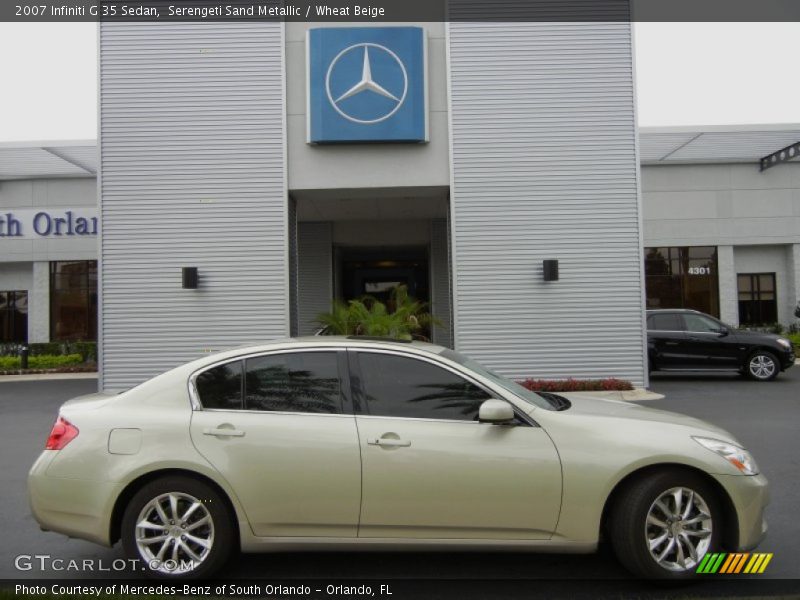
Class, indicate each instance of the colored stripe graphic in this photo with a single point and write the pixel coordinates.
(764, 564)
(722, 562)
(728, 562)
(755, 564)
(701, 568)
(710, 563)
(715, 567)
(741, 562)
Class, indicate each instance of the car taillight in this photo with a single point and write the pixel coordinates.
(63, 433)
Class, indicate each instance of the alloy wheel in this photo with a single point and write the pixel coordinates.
(678, 529)
(762, 366)
(174, 533)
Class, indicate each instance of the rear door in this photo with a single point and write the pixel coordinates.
(666, 340)
(431, 470)
(279, 428)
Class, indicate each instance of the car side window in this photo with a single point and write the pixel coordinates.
(306, 382)
(665, 322)
(699, 323)
(221, 387)
(398, 386)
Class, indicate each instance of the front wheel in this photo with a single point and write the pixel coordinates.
(762, 366)
(663, 525)
(178, 528)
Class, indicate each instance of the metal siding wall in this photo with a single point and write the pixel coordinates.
(440, 283)
(293, 267)
(192, 174)
(314, 274)
(544, 166)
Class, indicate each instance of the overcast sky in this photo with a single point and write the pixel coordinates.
(687, 74)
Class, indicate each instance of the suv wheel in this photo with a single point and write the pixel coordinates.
(762, 366)
(177, 528)
(663, 526)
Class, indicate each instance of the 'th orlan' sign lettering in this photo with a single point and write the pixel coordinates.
(48, 223)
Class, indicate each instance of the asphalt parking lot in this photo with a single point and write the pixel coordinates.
(764, 417)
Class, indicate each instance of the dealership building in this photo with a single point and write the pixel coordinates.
(495, 169)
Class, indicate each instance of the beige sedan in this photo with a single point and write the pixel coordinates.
(339, 443)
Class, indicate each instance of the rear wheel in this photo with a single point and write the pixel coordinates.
(762, 366)
(177, 528)
(664, 524)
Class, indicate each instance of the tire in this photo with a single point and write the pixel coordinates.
(203, 535)
(638, 522)
(762, 366)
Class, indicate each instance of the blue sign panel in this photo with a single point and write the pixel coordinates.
(366, 84)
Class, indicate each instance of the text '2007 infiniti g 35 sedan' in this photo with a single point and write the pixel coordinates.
(322, 442)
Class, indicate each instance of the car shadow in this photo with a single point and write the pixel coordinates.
(725, 376)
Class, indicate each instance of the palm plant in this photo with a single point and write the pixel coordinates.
(403, 318)
(340, 320)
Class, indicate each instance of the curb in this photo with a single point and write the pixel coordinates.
(637, 395)
(47, 377)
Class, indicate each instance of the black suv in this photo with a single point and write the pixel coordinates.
(688, 340)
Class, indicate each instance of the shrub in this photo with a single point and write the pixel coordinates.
(577, 385)
(88, 350)
(44, 361)
(795, 339)
(777, 328)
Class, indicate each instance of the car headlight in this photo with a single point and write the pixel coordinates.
(785, 343)
(738, 457)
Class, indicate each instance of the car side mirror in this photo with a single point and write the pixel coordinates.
(723, 331)
(496, 412)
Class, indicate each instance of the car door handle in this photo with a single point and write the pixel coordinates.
(223, 432)
(388, 442)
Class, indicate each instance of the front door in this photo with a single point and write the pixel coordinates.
(431, 470)
(276, 428)
(708, 344)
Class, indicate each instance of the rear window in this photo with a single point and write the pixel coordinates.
(221, 387)
(665, 322)
(304, 382)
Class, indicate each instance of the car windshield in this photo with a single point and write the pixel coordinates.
(507, 384)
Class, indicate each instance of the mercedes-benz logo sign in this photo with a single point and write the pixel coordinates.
(368, 84)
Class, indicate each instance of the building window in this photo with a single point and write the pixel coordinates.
(757, 299)
(682, 277)
(73, 300)
(14, 317)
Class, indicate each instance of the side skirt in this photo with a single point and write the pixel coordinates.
(279, 544)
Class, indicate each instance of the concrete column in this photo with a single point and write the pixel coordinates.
(728, 287)
(39, 303)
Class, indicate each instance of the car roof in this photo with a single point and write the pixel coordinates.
(368, 341)
(326, 341)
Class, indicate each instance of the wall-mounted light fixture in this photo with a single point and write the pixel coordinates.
(550, 269)
(189, 277)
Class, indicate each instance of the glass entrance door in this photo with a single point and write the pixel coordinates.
(377, 272)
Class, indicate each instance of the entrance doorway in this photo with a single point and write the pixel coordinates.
(376, 272)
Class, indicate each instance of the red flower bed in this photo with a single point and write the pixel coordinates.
(577, 385)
